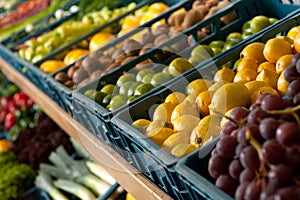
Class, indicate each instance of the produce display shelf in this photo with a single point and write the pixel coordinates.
(128, 177)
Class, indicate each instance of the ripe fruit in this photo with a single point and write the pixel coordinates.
(283, 62)
(197, 86)
(179, 66)
(297, 43)
(275, 48)
(224, 74)
(258, 23)
(254, 50)
(269, 77)
(99, 39)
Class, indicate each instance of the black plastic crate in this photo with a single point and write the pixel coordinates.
(151, 158)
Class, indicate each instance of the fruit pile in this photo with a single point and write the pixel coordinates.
(257, 155)
(197, 112)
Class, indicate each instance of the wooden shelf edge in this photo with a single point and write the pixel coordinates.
(126, 175)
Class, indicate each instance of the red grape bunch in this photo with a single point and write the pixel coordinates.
(258, 153)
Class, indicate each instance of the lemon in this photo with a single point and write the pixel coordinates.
(228, 96)
(207, 129)
(254, 50)
(293, 32)
(99, 39)
(268, 76)
(282, 84)
(175, 139)
(297, 43)
(214, 87)
(197, 86)
(164, 112)
(183, 149)
(175, 98)
(245, 75)
(252, 86)
(262, 90)
(202, 101)
(159, 135)
(185, 123)
(158, 124)
(124, 78)
(141, 124)
(108, 89)
(275, 48)
(179, 66)
(248, 63)
(283, 62)
(184, 108)
(224, 74)
(266, 65)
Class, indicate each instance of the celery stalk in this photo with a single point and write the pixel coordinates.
(99, 171)
(98, 186)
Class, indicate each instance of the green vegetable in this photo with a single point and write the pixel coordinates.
(100, 172)
(87, 6)
(15, 178)
(71, 174)
(44, 182)
(75, 189)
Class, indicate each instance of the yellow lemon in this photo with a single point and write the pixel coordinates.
(268, 76)
(197, 86)
(224, 74)
(293, 32)
(202, 101)
(252, 86)
(184, 108)
(283, 62)
(266, 65)
(262, 90)
(175, 139)
(254, 50)
(282, 84)
(50, 66)
(275, 48)
(159, 135)
(141, 124)
(164, 112)
(185, 123)
(183, 149)
(175, 98)
(99, 39)
(248, 63)
(245, 75)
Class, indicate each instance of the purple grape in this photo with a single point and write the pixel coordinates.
(256, 115)
(288, 193)
(296, 99)
(234, 133)
(280, 176)
(295, 58)
(298, 66)
(228, 128)
(227, 184)
(239, 113)
(253, 190)
(249, 158)
(292, 159)
(254, 131)
(288, 133)
(273, 152)
(291, 73)
(268, 192)
(272, 102)
(217, 166)
(226, 146)
(260, 98)
(293, 88)
(247, 175)
(239, 149)
(267, 128)
(240, 191)
(235, 169)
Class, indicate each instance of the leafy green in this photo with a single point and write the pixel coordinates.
(87, 6)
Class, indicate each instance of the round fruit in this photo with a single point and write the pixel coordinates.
(293, 32)
(202, 101)
(140, 75)
(224, 74)
(258, 23)
(124, 78)
(108, 89)
(229, 96)
(297, 43)
(197, 86)
(178, 66)
(269, 77)
(99, 39)
(160, 78)
(202, 50)
(266, 65)
(248, 63)
(164, 112)
(275, 48)
(143, 88)
(175, 98)
(283, 62)
(245, 75)
(254, 50)
(282, 84)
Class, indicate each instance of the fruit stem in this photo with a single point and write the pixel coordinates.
(297, 118)
(286, 111)
(255, 144)
(240, 124)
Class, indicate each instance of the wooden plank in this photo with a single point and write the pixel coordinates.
(126, 175)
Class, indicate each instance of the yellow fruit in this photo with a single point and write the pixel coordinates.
(181, 137)
(282, 84)
(184, 108)
(252, 86)
(245, 75)
(183, 149)
(293, 32)
(262, 90)
(141, 124)
(224, 74)
(208, 128)
(254, 50)
(5, 144)
(268, 76)
(130, 22)
(178, 66)
(159, 135)
(229, 96)
(164, 112)
(266, 65)
(185, 123)
(258, 23)
(275, 48)
(157, 7)
(227, 114)
(248, 63)
(129, 197)
(175, 98)
(283, 62)
(191, 98)
(158, 124)
(99, 39)
(297, 43)
(214, 87)
(50, 66)
(202, 101)
(74, 55)
(197, 86)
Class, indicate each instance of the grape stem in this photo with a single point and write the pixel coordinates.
(292, 111)
(239, 123)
